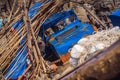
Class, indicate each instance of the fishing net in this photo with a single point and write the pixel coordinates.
(87, 47)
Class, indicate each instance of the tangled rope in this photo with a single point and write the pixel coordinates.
(86, 47)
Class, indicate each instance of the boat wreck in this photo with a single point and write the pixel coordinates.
(60, 40)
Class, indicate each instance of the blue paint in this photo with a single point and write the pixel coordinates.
(18, 64)
(65, 38)
(60, 16)
(115, 17)
(32, 12)
(64, 43)
(1, 20)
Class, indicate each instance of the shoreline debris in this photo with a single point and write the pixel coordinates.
(25, 21)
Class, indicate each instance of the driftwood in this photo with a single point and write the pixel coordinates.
(38, 65)
(90, 13)
(11, 12)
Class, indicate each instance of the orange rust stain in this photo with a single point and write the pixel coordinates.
(65, 57)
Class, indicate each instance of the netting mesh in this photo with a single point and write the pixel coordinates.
(93, 43)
